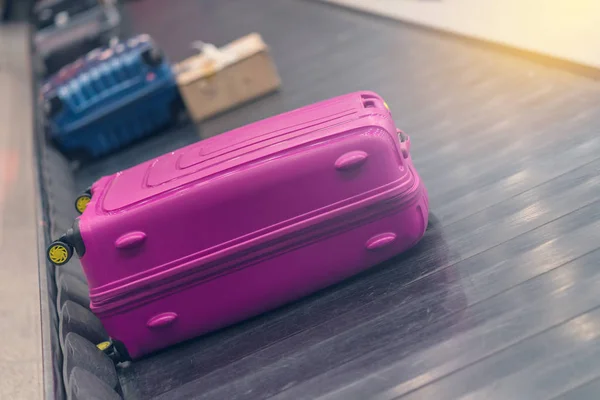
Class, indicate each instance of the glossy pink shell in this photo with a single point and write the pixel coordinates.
(237, 224)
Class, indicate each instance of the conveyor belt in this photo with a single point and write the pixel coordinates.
(499, 301)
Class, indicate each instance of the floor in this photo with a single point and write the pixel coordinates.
(563, 30)
(21, 357)
(500, 299)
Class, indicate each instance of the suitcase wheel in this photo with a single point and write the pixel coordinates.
(152, 57)
(104, 346)
(115, 350)
(81, 202)
(59, 253)
(52, 106)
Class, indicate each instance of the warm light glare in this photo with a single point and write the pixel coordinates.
(566, 29)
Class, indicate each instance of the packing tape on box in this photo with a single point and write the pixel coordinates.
(213, 59)
(210, 60)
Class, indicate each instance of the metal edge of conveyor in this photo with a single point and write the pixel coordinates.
(18, 12)
(51, 380)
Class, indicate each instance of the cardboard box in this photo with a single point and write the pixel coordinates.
(219, 79)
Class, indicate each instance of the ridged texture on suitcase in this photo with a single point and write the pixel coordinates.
(248, 220)
(110, 97)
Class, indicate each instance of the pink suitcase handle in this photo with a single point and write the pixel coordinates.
(161, 320)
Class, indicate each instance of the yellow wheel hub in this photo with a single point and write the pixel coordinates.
(103, 345)
(58, 254)
(81, 203)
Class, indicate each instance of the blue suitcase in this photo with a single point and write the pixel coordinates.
(110, 98)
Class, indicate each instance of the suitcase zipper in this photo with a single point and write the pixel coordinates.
(110, 290)
(149, 290)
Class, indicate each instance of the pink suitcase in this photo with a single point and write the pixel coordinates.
(243, 222)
